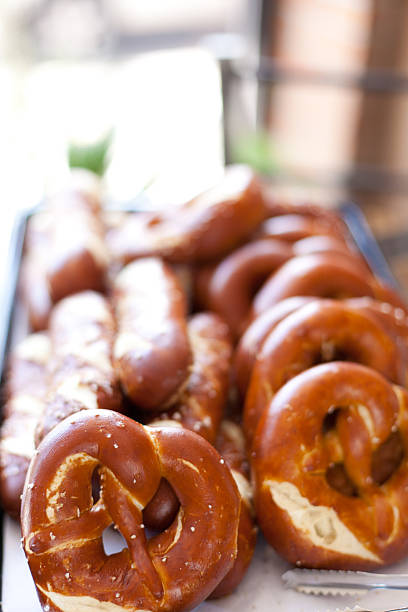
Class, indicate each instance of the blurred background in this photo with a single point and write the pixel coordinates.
(312, 93)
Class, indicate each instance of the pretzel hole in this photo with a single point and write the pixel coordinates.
(338, 479)
(330, 420)
(113, 541)
(329, 351)
(387, 458)
(96, 485)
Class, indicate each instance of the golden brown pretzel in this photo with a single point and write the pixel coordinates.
(34, 287)
(254, 336)
(231, 445)
(201, 405)
(152, 353)
(394, 319)
(233, 282)
(204, 229)
(77, 258)
(65, 251)
(81, 374)
(26, 388)
(384, 293)
(62, 526)
(324, 330)
(321, 275)
(300, 220)
(339, 497)
(299, 224)
(322, 244)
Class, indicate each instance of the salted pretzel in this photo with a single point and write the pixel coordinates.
(330, 465)
(162, 509)
(231, 445)
(26, 389)
(34, 288)
(201, 404)
(81, 374)
(65, 250)
(62, 523)
(323, 330)
(230, 287)
(255, 335)
(204, 229)
(321, 275)
(152, 353)
(394, 319)
(78, 258)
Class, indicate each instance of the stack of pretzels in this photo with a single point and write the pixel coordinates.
(175, 353)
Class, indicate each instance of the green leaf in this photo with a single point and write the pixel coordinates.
(93, 156)
(258, 151)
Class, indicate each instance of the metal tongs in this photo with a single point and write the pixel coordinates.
(335, 582)
(358, 609)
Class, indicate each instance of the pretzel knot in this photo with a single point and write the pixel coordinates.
(339, 499)
(63, 524)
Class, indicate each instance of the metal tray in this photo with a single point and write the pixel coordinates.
(262, 587)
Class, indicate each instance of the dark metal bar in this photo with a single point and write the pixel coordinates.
(271, 71)
(124, 44)
(225, 70)
(7, 311)
(10, 287)
(366, 243)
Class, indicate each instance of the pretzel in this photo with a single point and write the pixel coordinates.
(394, 319)
(62, 525)
(232, 283)
(339, 499)
(292, 223)
(81, 374)
(321, 275)
(386, 294)
(323, 244)
(324, 330)
(204, 229)
(152, 352)
(26, 387)
(34, 287)
(201, 405)
(231, 445)
(65, 251)
(254, 336)
(77, 258)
